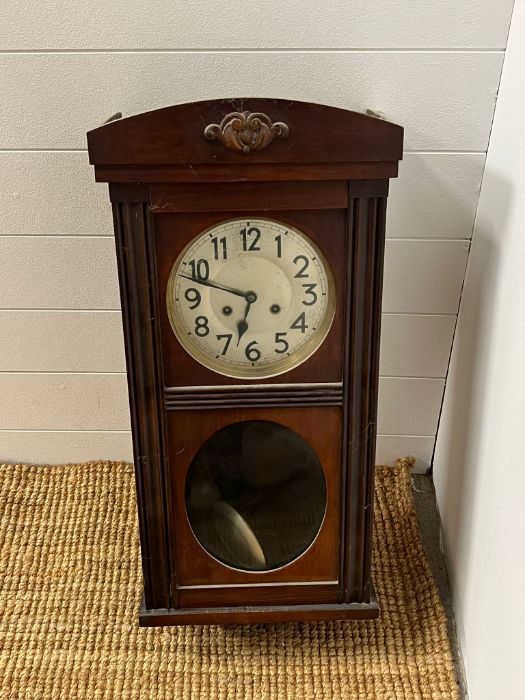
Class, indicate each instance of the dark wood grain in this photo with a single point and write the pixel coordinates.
(244, 396)
(248, 196)
(175, 136)
(247, 173)
(136, 267)
(328, 178)
(321, 428)
(366, 232)
(326, 227)
(259, 614)
(255, 594)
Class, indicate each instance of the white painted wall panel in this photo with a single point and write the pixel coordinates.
(59, 294)
(391, 447)
(435, 195)
(51, 100)
(424, 276)
(58, 447)
(415, 346)
(64, 447)
(41, 272)
(55, 193)
(61, 341)
(52, 193)
(92, 341)
(409, 406)
(479, 474)
(100, 402)
(64, 401)
(46, 272)
(272, 24)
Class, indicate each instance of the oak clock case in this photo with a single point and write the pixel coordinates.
(249, 237)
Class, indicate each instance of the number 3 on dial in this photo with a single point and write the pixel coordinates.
(251, 298)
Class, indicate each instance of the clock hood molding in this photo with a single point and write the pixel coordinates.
(195, 143)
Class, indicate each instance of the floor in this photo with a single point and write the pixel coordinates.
(430, 526)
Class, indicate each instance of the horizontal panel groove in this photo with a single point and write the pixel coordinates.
(267, 395)
(247, 49)
(417, 314)
(404, 435)
(63, 372)
(59, 432)
(261, 50)
(61, 236)
(44, 150)
(55, 310)
(410, 376)
(440, 239)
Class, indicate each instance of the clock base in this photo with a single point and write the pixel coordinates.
(258, 614)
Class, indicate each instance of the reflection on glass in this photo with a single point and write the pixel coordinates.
(255, 495)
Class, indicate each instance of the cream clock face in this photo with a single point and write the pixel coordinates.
(251, 298)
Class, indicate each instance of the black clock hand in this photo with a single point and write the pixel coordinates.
(207, 283)
(242, 326)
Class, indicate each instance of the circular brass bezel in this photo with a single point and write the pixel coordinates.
(284, 364)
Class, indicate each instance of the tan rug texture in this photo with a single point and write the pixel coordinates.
(70, 587)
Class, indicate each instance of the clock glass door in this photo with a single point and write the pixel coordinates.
(255, 495)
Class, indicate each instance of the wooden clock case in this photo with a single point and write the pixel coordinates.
(172, 173)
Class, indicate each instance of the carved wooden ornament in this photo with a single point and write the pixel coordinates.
(246, 131)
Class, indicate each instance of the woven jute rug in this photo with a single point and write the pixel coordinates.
(71, 587)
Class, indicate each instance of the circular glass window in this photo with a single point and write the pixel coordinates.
(255, 495)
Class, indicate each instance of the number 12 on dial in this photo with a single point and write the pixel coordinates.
(251, 298)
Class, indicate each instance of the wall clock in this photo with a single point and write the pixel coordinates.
(250, 238)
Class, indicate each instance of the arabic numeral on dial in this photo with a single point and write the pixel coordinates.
(301, 260)
(219, 246)
(250, 239)
(279, 340)
(309, 287)
(300, 323)
(193, 296)
(279, 241)
(200, 269)
(252, 353)
(201, 326)
(228, 337)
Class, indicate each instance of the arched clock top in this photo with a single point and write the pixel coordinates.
(292, 140)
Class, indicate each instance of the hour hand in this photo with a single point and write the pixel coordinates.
(242, 325)
(214, 285)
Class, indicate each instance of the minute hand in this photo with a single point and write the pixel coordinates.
(207, 283)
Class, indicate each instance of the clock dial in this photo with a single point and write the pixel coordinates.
(251, 298)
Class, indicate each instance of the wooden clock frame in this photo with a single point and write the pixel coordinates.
(172, 173)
